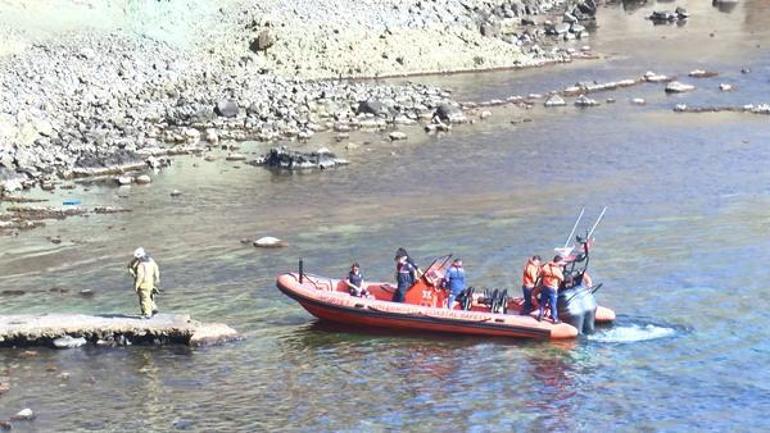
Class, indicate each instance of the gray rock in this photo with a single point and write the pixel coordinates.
(397, 135)
(262, 42)
(142, 179)
(226, 108)
(677, 87)
(68, 342)
(555, 101)
(450, 113)
(24, 415)
(372, 106)
(585, 101)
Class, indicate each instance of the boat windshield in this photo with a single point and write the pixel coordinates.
(435, 272)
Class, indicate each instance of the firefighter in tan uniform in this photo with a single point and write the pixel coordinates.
(146, 281)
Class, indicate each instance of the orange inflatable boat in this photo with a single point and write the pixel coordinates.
(423, 308)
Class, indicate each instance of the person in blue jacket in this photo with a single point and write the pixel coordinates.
(454, 281)
(405, 276)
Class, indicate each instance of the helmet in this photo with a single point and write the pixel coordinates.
(139, 253)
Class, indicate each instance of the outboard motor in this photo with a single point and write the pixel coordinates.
(577, 306)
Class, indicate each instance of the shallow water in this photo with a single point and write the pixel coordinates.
(681, 253)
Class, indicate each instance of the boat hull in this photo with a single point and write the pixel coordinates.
(326, 299)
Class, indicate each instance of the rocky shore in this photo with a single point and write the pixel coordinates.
(87, 100)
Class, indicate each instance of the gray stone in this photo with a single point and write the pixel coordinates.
(450, 113)
(262, 42)
(68, 342)
(677, 87)
(555, 101)
(372, 106)
(226, 108)
(585, 101)
(397, 135)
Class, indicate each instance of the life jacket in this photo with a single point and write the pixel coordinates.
(531, 272)
(405, 275)
(551, 275)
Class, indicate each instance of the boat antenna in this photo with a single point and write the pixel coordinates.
(574, 227)
(601, 215)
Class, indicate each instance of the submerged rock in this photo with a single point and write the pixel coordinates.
(289, 159)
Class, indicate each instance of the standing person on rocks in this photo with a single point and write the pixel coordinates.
(146, 281)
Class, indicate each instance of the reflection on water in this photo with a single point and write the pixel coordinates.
(683, 242)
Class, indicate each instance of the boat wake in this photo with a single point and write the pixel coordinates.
(633, 333)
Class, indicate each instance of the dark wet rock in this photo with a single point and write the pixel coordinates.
(450, 113)
(661, 17)
(281, 157)
(226, 108)
(372, 106)
(12, 292)
(262, 42)
(68, 342)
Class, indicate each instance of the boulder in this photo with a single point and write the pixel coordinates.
(262, 42)
(226, 108)
(638, 101)
(397, 135)
(211, 136)
(176, 193)
(678, 87)
(725, 87)
(124, 180)
(24, 415)
(235, 157)
(142, 179)
(68, 342)
(372, 106)
(450, 113)
(555, 101)
(652, 77)
(585, 101)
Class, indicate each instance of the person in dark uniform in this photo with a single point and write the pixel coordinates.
(355, 282)
(405, 275)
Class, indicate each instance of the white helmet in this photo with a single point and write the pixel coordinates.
(139, 253)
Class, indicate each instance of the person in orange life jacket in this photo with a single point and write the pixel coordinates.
(454, 281)
(355, 282)
(552, 277)
(528, 280)
(405, 276)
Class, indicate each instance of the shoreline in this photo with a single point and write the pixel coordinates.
(87, 96)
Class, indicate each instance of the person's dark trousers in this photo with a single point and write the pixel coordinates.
(527, 300)
(548, 295)
(398, 295)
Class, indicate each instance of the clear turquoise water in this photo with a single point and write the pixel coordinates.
(682, 253)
